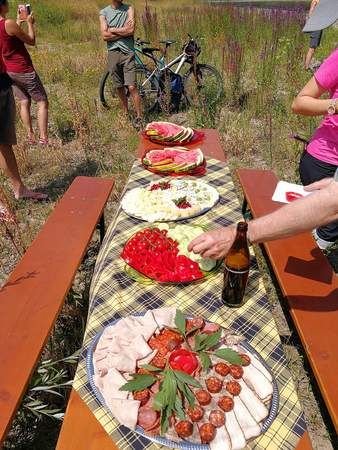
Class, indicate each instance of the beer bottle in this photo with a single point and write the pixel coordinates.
(236, 272)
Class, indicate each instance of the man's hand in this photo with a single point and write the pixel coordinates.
(214, 244)
(321, 184)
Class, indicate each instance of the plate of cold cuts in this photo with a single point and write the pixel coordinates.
(182, 382)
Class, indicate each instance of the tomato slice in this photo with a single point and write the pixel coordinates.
(183, 360)
(292, 196)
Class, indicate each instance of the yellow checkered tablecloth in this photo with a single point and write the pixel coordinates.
(114, 295)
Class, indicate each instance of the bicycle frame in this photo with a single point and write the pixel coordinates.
(180, 60)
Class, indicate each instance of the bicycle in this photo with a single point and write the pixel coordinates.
(200, 80)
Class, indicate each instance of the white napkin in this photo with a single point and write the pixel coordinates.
(283, 187)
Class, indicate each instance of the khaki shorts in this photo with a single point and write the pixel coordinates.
(122, 68)
(28, 86)
(7, 118)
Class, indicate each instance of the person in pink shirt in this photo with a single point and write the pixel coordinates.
(320, 160)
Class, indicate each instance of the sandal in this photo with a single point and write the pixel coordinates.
(43, 141)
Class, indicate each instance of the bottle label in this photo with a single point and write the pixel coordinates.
(240, 272)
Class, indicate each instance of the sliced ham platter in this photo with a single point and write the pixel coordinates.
(182, 382)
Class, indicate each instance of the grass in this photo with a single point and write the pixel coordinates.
(260, 55)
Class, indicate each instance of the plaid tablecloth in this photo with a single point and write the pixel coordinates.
(114, 295)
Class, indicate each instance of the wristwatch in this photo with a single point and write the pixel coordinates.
(331, 110)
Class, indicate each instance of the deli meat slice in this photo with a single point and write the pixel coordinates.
(147, 359)
(256, 407)
(125, 411)
(235, 432)
(247, 423)
(222, 440)
(260, 384)
(165, 316)
(256, 363)
(121, 362)
(111, 385)
(147, 418)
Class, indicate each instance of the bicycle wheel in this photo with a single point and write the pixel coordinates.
(106, 90)
(148, 88)
(205, 83)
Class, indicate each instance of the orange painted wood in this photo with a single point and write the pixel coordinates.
(309, 284)
(211, 145)
(81, 430)
(32, 298)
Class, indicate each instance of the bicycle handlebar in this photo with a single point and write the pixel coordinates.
(140, 42)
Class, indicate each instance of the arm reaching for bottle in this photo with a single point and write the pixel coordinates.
(305, 214)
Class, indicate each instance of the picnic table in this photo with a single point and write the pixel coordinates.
(113, 295)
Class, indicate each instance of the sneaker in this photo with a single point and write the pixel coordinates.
(322, 244)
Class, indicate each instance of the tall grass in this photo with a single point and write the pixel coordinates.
(259, 54)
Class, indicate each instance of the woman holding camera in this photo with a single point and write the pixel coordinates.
(19, 66)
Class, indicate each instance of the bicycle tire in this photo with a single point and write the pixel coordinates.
(149, 104)
(102, 86)
(218, 82)
(139, 70)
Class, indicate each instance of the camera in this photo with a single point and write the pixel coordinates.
(24, 11)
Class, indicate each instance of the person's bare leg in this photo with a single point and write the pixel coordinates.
(121, 92)
(137, 101)
(43, 119)
(9, 165)
(309, 57)
(25, 113)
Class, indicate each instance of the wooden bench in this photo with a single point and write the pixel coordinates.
(32, 298)
(308, 283)
(80, 429)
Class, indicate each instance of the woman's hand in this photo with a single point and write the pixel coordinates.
(214, 244)
(30, 19)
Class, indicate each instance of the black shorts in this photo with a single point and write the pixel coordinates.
(315, 38)
(312, 169)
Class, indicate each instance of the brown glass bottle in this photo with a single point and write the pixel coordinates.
(236, 272)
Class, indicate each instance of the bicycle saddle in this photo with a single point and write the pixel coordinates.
(150, 49)
(167, 42)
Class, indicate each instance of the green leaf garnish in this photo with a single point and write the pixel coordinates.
(229, 355)
(186, 378)
(180, 322)
(205, 360)
(207, 341)
(138, 383)
(192, 330)
(186, 391)
(150, 368)
(179, 407)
